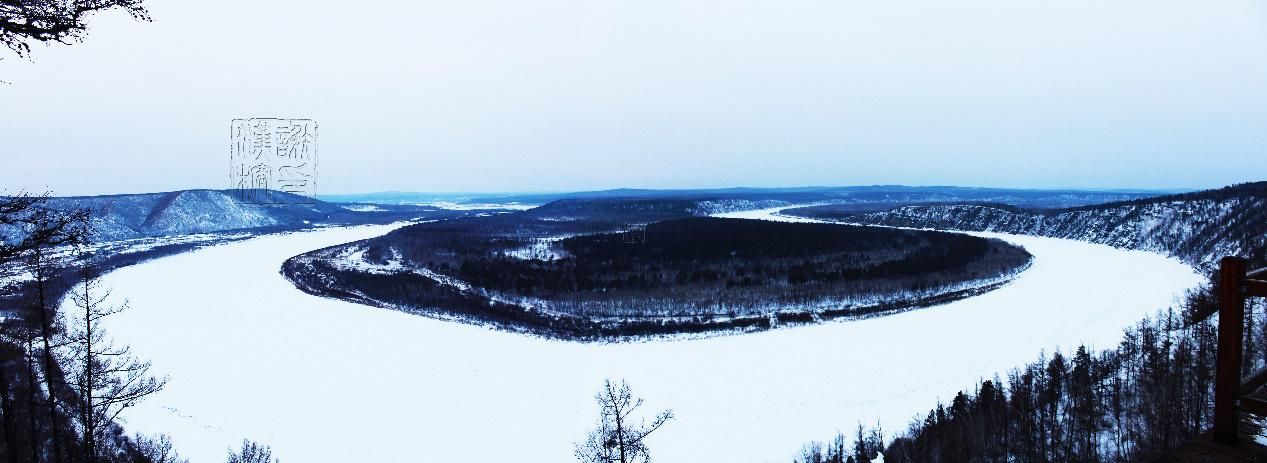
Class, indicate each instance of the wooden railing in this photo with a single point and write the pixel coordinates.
(1231, 390)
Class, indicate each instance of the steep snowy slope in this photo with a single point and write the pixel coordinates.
(1197, 228)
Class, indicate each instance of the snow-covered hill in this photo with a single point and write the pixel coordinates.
(176, 213)
(1197, 228)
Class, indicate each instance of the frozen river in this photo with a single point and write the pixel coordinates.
(323, 380)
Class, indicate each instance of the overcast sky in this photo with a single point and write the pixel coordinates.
(550, 95)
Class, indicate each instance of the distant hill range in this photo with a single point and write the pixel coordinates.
(728, 199)
(145, 215)
(149, 215)
(1196, 227)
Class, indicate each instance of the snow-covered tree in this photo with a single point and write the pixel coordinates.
(619, 436)
(107, 378)
(252, 452)
(158, 449)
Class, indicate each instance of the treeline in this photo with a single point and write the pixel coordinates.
(729, 253)
(1150, 394)
(445, 244)
(736, 267)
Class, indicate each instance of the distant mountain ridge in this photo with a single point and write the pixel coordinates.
(723, 199)
(144, 215)
(1197, 227)
(147, 215)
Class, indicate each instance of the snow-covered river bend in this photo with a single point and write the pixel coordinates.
(323, 380)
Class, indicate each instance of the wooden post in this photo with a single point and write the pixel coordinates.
(1227, 371)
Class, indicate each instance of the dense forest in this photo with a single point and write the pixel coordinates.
(1133, 402)
(712, 266)
(682, 275)
(1147, 395)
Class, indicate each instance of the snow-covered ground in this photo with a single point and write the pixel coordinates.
(541, 249)
(324, 380)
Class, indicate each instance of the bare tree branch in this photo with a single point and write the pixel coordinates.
(618, 438)
(23, 22)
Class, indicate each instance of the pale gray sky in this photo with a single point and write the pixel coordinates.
(520, 95)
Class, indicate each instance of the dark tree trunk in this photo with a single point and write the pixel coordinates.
(33, 440)
(46, 331)
(6, 406)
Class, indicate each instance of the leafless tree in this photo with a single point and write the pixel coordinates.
(43, 232)
(252, 452)
(619, 437)
(23, 22)
(158, 449)
(36, 236)
(107, 379)
(32, 397)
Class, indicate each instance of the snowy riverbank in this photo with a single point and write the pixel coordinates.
(323, 380)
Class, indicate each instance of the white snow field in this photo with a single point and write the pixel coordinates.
(322, 380)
